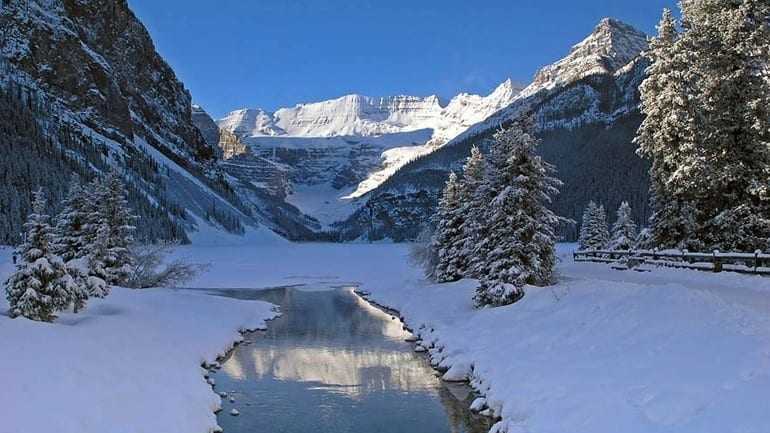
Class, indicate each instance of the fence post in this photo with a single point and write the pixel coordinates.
(717, 262)
(756, 260)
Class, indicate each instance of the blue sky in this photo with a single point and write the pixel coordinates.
(270, 54)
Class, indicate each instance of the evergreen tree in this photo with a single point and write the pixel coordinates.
(731, 40)
(668, 133)
(42, 284)
(588, 213)
(520, 225)
(624, 233)
(113, 224)
(473, 208)
(451, 263)
(70, 242)
(594, 234)
(706, 99)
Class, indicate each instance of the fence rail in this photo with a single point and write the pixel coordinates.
(746, 263)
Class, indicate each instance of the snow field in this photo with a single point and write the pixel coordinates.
(667, 351)
(130, 363)
(604, 350)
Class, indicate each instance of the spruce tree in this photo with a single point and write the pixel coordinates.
(70, 240)
(706, 99)
(731, 40)
(473, 208)
(589, 213)
(594, 233)
(668, 133)
(42, 284)
(107, 234)
(451, 263)
(520, 226)
(624, 233)
(118, 222)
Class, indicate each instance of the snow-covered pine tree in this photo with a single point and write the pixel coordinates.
(451, 263)
(594, 232)
(624, 232)
(601, 228)
(70, 242)
(42, 284)
(668, 133)
(473, 208)
(114, 233)
(706, 101)
(731, 45)
(520, 225)
(589, 212)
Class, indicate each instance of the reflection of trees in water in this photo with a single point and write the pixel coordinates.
(456, 399)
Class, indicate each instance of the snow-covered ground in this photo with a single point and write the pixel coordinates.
(603, 351)
(669, 351)
(130, 363)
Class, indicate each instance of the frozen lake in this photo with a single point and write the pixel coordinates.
(333, 363)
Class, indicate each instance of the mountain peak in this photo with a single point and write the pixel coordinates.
(612, 45)
(616, 42)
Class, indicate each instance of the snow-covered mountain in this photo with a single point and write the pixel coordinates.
(364, 116)
(335, 151)
(586, 108)
(86, 72)
(611, 46)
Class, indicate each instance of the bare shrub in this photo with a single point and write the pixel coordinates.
(153, 270)
(423, 253)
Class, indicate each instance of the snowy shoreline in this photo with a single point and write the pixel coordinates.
(433, 351)
(130, 363)
(603, 350)
(667, 351)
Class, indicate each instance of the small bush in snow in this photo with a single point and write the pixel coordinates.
(151, 270)
(423, 253)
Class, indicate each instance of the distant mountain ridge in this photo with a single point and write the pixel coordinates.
(329, 153)
(358, 115)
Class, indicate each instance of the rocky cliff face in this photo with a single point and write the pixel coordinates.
(208, 128)
(586, 107)
(94, 67)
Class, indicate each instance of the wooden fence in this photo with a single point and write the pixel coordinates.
(746, 263)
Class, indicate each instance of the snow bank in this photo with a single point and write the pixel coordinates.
(606, 351)
(130, 363)
(669, 351)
